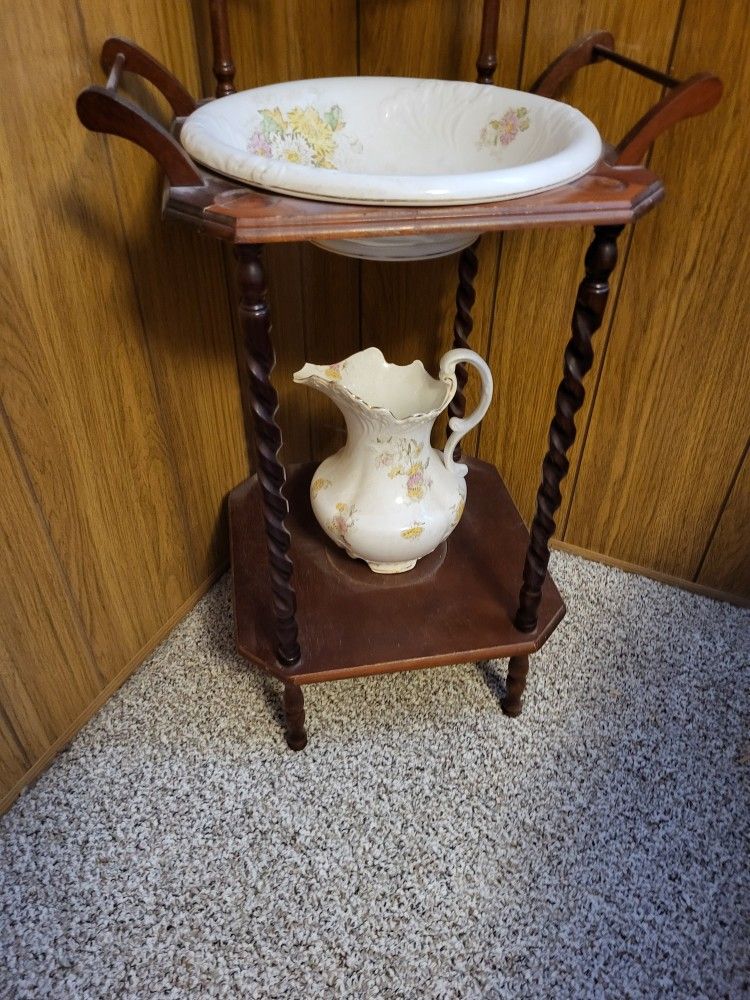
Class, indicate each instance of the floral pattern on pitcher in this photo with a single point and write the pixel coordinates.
(403, 459)
(301, 135)
(502, 131)
(456, 511)
(414, 531)
(342, 521)
(319, 484)
(335, 371)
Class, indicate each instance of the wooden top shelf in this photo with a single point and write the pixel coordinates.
(608, 195)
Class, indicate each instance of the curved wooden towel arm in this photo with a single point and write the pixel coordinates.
(683, 99)
(102, 109)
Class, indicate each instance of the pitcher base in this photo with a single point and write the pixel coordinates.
(392, 567)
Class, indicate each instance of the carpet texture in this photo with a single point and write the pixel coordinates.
(423, 845)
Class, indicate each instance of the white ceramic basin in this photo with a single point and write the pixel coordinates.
(393, 141)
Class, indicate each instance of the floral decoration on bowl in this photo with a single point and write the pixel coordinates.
(301, 135)
(502, 131)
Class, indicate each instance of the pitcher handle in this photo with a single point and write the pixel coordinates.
(462, 425)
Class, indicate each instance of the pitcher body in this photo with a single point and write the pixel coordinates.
(388, 496)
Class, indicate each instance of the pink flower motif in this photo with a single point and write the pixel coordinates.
(507, 128)
(259, 144)
(339, 524)
(415, 479)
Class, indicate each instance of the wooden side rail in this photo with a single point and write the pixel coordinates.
(683, 99)
(102, 109)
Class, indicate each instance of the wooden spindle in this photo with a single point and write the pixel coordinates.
(255, 319)
(223, 67)
(463, 324)
(591, 300)
(487, 61)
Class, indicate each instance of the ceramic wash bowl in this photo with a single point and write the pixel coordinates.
(393, 141)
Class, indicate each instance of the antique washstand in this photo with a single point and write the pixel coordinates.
(315, 615)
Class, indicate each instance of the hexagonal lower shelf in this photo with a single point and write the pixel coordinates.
(456, 606)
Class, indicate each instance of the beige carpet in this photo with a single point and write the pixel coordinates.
(423, 846)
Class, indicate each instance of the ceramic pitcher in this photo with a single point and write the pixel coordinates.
(388, 496)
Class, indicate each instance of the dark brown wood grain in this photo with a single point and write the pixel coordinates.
(294, 717)
(137, 60)
(684, 99)
(463, 324)
(223, 64)
(579, 355)
(579, 54)
(487, 59)
(608, 195)
(695, 96)
(255, 321)
(103, 110)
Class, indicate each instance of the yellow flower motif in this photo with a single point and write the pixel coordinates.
(341, 507)
(414, 532)
(318, 133)
(334, 372)
(318, 485)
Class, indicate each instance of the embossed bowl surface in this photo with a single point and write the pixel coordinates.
(393, 140)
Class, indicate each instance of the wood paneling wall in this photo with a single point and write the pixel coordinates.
(120, 419)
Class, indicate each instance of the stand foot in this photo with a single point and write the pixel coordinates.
(294, 714)
(518, 668)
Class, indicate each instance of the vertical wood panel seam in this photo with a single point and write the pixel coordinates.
(675, 41)
(357, 14)
(236, 335)
(78, 622)
(501, 235)
(615, 303)
(10, 729)
(44, 527)
(155, 388)
(227, 272)
(303, 294)
(720, 513)
(522, 58)
(158, 400)
(583, 434)
(524, 35)
(492, 321)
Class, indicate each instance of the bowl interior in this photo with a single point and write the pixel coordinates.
(368, 135)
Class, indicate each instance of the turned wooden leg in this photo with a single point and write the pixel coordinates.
(579, 356)
(255, 318)
(294, 714)
(463, 324)
(518, 668)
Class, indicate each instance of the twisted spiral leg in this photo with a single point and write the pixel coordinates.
(294, 714)
(591, 300)
(463, 324)
(255, 319)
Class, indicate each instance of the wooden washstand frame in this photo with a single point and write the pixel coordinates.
(462, 603)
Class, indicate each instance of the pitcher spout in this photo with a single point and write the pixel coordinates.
(400, 393)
